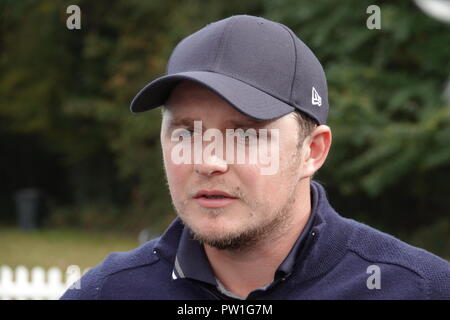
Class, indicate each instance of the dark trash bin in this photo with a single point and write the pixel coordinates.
(28, 209)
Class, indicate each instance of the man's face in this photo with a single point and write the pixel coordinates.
(259, 205)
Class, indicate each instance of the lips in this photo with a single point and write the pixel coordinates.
(214, 198)
(213, 194)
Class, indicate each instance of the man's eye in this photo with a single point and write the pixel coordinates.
(185, 133)
(188, 132)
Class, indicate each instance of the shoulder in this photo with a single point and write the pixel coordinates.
(90, 284)
(380, 248)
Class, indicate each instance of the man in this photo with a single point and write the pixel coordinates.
(259, 228)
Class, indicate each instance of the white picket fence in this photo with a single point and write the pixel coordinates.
(43, 284)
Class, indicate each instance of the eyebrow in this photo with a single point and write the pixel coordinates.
(236, 123)
(182, 122)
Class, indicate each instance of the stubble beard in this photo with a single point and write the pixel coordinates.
(253, 235)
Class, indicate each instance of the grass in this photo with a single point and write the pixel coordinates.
(59, 247)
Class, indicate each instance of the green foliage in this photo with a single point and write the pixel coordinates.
(433, 238)
(71, 91)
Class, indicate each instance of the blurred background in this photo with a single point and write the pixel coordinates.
(80, 176)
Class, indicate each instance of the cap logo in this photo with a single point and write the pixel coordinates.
(315, 98)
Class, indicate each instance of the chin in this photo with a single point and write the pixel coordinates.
(223, 239)
(211, 226)
(207, 225)
(216, 240)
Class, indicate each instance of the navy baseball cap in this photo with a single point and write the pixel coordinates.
(259, 66)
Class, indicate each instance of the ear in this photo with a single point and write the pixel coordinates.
(315, 150)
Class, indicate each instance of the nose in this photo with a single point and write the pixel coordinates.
(211, 165)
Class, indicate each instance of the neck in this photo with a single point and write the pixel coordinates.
(242, 271)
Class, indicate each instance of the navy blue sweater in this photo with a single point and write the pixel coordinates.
(340, 259)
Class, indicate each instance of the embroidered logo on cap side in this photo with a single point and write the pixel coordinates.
(315, 98)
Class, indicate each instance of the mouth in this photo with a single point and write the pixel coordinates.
(214, 198)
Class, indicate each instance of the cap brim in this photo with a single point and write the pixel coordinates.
(244, 97)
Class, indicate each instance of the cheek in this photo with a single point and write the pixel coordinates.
(272, 187)
(177, 174)
(256, 187)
